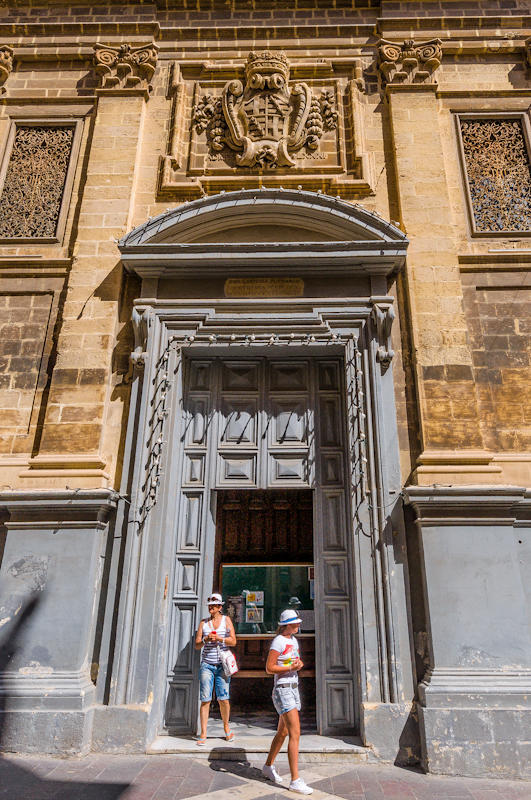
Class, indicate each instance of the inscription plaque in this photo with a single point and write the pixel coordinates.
(264, 287)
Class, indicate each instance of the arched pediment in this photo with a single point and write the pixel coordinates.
(266, 226)
(255, 215)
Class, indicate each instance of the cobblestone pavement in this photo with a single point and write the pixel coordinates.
(106, 777)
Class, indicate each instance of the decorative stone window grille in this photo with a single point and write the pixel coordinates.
(495, 154)
(36, 179)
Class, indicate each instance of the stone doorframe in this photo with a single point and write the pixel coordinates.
(360, 329)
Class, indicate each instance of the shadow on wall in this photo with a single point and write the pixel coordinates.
(17, 781)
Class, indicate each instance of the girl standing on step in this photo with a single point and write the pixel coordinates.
(213, 635)
(284, 664)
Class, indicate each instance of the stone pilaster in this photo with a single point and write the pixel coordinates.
(448, 404)
(49, 578)
(474, 700)
(80, 406)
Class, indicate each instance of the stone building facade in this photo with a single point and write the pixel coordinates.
(250, 250)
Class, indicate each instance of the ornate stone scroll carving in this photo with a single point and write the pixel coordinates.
(126, 67)
(6, 65)
(383, 315)
(264, 119)
(140, 331)
(409, 62)
(498, 172)
(35, 179)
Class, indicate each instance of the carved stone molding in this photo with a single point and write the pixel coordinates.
(6, 65)
(140, 331)
(264, 120)
(410, 62)
(383, 315)
(125, 67)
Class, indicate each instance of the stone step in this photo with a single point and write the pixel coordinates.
(312, 749)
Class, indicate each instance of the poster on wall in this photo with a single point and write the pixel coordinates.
(235, 607)
(254, 598)
(254, 614)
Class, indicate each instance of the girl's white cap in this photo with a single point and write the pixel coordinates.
(289, 617)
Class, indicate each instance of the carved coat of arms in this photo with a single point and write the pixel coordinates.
(265, 120)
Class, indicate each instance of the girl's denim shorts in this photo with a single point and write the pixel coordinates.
(286, 698)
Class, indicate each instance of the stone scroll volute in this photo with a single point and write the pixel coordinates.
(125, 67)
(409, 62)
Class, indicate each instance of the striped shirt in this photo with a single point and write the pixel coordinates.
(210, 651)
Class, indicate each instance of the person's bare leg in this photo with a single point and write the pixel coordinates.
(224, 709)
(203, 716)
(277, 742)
(294, 732)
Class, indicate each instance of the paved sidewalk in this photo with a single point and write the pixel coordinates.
(106, 777)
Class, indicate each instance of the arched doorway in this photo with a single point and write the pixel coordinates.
(263, 332)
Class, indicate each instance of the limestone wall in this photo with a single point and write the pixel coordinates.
(462, 334)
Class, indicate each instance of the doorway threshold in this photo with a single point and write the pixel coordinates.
(254, 741)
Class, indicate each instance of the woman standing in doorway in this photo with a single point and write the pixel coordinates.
(213, 635)
(284, 663)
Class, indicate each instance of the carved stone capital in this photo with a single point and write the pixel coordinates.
(409, 62)
(125, 67)
(6, 65)
(383, 315)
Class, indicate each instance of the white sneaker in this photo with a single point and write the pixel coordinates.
(272, 775)
(300, 787)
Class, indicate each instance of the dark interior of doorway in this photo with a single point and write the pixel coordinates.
(265, 527)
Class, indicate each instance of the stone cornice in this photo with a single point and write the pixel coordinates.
(33, 44)
(448, 506)
(79, 507)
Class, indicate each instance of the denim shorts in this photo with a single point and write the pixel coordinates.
(286, 698)
(211, 675)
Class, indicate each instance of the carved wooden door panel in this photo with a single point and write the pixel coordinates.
(335, 611)
(257, 423)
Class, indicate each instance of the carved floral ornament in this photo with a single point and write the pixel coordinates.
(409, 62)
(264, 119)
(126, 67)
(6, 65)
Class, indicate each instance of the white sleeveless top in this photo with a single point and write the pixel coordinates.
(210, 651)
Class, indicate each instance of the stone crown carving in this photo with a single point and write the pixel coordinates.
(409, 62)
(126, 67)
(265, 120)
(6, 64)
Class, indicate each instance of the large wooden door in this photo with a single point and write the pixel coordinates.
(264, 424)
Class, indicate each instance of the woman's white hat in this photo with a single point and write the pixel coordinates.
(289, 617)
(215, 600)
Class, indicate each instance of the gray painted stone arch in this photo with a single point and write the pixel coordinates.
(315, 214)
(349, 253)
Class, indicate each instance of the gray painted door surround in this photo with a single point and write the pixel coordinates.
(367, 681)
